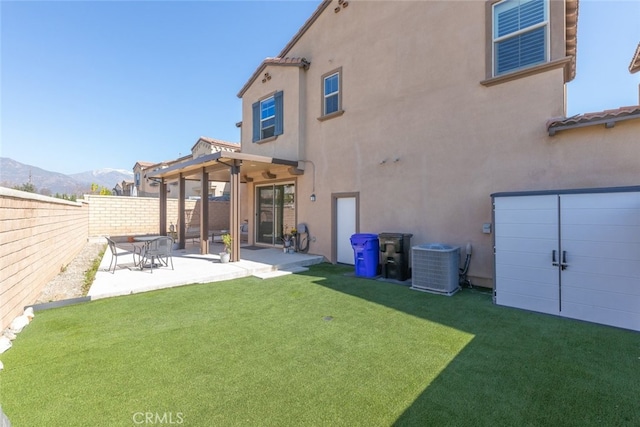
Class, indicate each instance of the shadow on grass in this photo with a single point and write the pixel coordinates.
(520, 368)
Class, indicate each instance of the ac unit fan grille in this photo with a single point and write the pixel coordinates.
(435, 269)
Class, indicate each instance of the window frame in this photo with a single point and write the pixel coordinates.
(278, 117)
(272, 117)
(324, 115)
(495, 40)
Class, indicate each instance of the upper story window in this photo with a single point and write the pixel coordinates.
(137, 179)
(331, 93)
(520, 34)
(268, 117)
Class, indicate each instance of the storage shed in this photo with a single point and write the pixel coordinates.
(571, 253)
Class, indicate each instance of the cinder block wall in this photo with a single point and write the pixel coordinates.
(218, 215)
(124, 216)
(39, 236)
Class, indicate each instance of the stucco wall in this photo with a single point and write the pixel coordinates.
(39, 236)
(288, 79)
(422, 141)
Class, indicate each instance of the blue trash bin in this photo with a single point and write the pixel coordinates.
(365, 253)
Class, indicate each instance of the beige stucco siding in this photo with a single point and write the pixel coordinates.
(288, 80)
(421, 140)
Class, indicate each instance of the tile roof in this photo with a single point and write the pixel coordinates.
(607, 117)
(571, 34)
(144, 164)
(218, 144)
(279, 61)
(634, 67)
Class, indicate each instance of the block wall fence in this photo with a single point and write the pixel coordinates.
(128, 216)
(40, 236)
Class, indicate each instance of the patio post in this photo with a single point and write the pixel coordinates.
(163, 207)
(234, 222)
(204, 212)
(182, 228)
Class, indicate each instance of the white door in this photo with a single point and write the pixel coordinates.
(345, 228)
(526, 236)
(600, 238)
(576, 255)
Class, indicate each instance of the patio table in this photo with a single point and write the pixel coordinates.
(146, 240)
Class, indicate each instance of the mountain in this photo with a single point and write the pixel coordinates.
(106, 177)
(13, 173)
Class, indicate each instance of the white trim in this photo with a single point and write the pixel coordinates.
(335, 93)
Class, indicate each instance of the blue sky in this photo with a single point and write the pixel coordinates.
(93, 84)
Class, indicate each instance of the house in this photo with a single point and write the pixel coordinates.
(144, 187)
(202, 147)
(124, 188)
(405, 117)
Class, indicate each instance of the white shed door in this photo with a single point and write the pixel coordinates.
(345, 228)
(600, 236)
(575, 255)
(526, 234)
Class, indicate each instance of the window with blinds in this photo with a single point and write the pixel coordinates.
(520, 34)
(268, 117)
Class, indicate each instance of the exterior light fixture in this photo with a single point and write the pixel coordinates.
(313, 189)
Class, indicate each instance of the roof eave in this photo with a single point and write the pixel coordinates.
(571, 35)
(634, 66)
(608, 122)
(211, 160)
(321, 7)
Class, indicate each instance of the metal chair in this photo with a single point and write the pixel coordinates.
(157, 250)
(114, 254)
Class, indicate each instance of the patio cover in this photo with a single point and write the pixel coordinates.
(221, 166)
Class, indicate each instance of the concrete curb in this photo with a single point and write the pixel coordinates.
(58, 304)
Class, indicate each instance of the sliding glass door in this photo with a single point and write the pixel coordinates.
(275, 212)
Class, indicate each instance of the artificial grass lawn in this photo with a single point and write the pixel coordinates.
(265, 352)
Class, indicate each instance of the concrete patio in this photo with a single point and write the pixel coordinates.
(191, 267)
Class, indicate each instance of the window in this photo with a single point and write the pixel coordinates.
(331, 93)
(268, 117)
(520, 34)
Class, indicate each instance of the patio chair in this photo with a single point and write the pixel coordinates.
(114, 254)
(157, 250)
(244, 232)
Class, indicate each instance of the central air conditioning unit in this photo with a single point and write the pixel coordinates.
(435, 268)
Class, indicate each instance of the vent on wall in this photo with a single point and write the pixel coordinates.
(435, 268)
